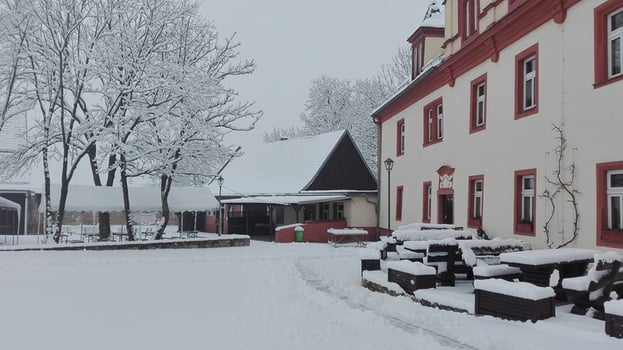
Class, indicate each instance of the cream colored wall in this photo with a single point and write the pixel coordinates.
(433, 48)
(360, 212)
(507, 145)
(494, 14)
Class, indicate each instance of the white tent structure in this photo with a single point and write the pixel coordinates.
(109, 199)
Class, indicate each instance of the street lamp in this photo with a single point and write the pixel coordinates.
(389, 164)
(220, 209)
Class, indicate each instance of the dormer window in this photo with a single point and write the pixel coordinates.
(468, 17)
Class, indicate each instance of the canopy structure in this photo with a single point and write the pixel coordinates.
(109, 199)
(285, 200)
(6, 204)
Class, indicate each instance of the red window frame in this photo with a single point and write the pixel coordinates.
(427, 188)
(468, 18)
(513, 4)
(473, 127)
(601, 14)
(526, 229)
(605, 236)
(400, 137)
(473, 222)
(432, 127)
(520, 59)
(399, 192)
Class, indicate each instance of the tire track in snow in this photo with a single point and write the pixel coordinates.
(315, 281)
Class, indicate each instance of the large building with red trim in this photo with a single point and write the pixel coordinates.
(512, 122)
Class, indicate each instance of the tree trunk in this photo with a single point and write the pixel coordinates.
(126, 199)
(165, 187)
(103, 217)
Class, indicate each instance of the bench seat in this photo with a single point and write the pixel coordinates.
(411, 276)
(513, 300)
(501, 271)
(614, 318)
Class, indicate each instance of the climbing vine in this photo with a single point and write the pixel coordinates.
(563, 182)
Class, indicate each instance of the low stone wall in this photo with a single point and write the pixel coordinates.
(238, 241)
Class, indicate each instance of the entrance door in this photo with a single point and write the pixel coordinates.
(446, 206)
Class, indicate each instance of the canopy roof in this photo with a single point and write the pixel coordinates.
(104, 199)
(285, 200)
(6, 204)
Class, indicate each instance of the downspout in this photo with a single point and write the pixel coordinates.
(379, 135)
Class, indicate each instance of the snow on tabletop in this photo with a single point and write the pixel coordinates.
(347, 231)
(427, 235)
(547, 256)
(369, 254)
(380, 245)
(443, 242)
(470, 258)
(608, 257)
(495, 270)
(576, 283)
(523, 290)
(387, 239)
(414, 268)
(408, 254)
(416, 245)
(420, 225)
(614, 307)
(380, 278)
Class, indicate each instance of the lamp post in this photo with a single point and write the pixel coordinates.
(220, 209)
(389, 164)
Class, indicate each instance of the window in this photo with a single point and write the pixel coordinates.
(400, 137)
(615, 37)
(478, 112)
(427, 198)
(468, 20)
(608, 39)
(525, 205)
(325, 212)
(418, 58)
(433, 122)
(340, 211)
(475, 204)
(399, 191)
(608, 43)
(527, 79)
(610, 204)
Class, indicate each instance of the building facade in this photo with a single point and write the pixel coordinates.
(514, 127)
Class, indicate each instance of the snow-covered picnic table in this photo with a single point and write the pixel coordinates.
(538, 265)
(347, 235)
(412, 234)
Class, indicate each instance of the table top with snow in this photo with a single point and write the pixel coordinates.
(547, 256)
(427, 235)
(347, 231)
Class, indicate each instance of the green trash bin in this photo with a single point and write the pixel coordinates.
(298, 234)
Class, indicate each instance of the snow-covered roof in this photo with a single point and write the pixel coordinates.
(435, 15)
(6, 204)
(280, 167)
(284, 200)
(102, 198)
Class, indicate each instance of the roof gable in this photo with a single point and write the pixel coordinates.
(288, 166)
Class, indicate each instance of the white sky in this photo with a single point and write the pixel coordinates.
(294, 42)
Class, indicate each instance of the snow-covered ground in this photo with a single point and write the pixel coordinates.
(265, 296)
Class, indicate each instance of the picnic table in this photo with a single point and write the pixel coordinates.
(538, 265)
(347, 235)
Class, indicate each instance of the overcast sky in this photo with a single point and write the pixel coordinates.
(294, 42)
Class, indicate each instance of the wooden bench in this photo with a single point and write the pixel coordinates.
(411, 276)
(595, 288)
(513, 300)
(443, 255)
(483, 256)
(501, 271)
(370, 259)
